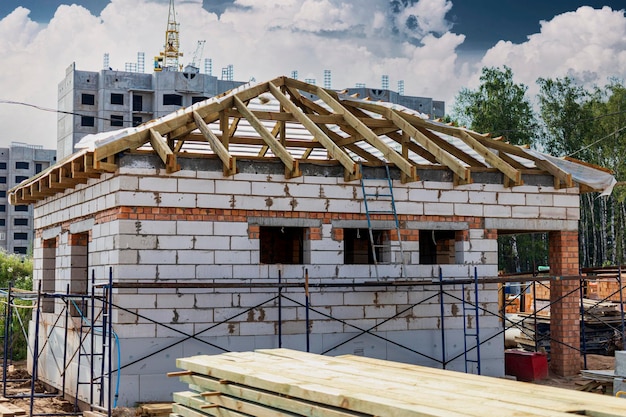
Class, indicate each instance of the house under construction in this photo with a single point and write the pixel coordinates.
(282, 214)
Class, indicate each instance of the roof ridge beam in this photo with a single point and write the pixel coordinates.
(351, 167)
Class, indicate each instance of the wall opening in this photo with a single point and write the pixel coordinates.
(48, 273)
(282, 245)
(358, 249)
(437, 247)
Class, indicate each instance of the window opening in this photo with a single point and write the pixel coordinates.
(22, 165)
(282, 245)
(20, 236)
(117, 120)
(3, 165)
(137, 102)
(137, 120)
(20, 222)
(88, 121)
(20, 178)
(22, 207)
(358, 248)
(38, 168)
(172, 100)
(88, 99)
(117, 98)
(48, 274)
(79, 277)
(437, 247)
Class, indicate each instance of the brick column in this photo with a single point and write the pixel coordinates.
(564, 309)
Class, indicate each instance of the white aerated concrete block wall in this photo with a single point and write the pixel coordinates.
(345, 317)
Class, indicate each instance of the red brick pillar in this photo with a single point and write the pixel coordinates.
(565, 303)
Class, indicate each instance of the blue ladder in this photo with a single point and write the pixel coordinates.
(475, 334)
(384, 193)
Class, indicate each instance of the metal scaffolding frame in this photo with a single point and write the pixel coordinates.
(440, 287)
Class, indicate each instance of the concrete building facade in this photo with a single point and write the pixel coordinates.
(19, 162)
(100, 101)
(245, 246)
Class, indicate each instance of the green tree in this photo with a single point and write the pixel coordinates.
(498, 106)
(17, 272)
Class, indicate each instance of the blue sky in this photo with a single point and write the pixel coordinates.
(435, 47)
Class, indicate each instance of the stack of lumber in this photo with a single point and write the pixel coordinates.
(601, 320)
(154, 410)
(9, 410)
(282, 382)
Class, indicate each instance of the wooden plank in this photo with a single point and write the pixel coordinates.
(290, 163)
(327, 389)
(482, 395)
(165, 153)
(229, 162)
(493, 159)
(263, 397)
(224, 402)
(185, 411)
(390, 154)
(333, 150)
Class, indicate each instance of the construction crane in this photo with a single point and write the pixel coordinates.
(197, 55)
(168, 59)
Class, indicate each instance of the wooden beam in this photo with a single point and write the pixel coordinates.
(493, 159)
(389, 153)
(334, 151)
(291, 165)
(165, 153)
(229, 162)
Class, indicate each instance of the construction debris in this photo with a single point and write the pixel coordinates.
(282, 382)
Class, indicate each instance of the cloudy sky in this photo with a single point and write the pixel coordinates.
(435, 46)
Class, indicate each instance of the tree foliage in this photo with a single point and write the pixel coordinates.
(16, 272)
(572, 121)
(499, 106)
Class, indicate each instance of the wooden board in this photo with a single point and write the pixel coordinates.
(298, 383)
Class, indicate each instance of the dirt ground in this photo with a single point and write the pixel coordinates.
(19, 383)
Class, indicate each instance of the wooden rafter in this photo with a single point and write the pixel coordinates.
(494, 160)
(352, 170)
(229, 163)
(291, 165)
(389, 153)
(160, 146)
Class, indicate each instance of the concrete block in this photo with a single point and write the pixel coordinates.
(214, 271)
(271, 189)
(542, 200)
(468, 210)
(348, 312)
(175, 330)
(326, 326)
(482, 197)
(136, 198)
(211, 242)
(175, 242)
(573, 214)
(497, 211)
(159, 184)
(196, 186)
(439, 209)
(253, 271)
(482, 245)
(424, 195)
(215, 300)
(410, 207)
(511, 199)
(253, 329)
(135, 300)
(251, 202)
(531, 212)
(194, 228)
(230, 229)
(619, 384)
(174, 300)
(339, 192)
(179, 272)
(157, 257)
(155, 227)
(194, 257)
(395, 324)
(223, 201)
(177, 200)
(567, 200)
(225, 186)
(232, 257)
(552, 212)
(138, 272)
(379, 311)
(126, 183)
(454, 196)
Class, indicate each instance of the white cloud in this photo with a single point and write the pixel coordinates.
(587, 44)
(358, 40)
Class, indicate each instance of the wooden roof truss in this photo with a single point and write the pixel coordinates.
(295, 122)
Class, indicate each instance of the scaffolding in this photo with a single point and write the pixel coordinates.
(98, 351)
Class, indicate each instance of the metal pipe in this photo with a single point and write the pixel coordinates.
(35, 350)
(476, 324)
(306, 297)
(280, 310)
(443, 330)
